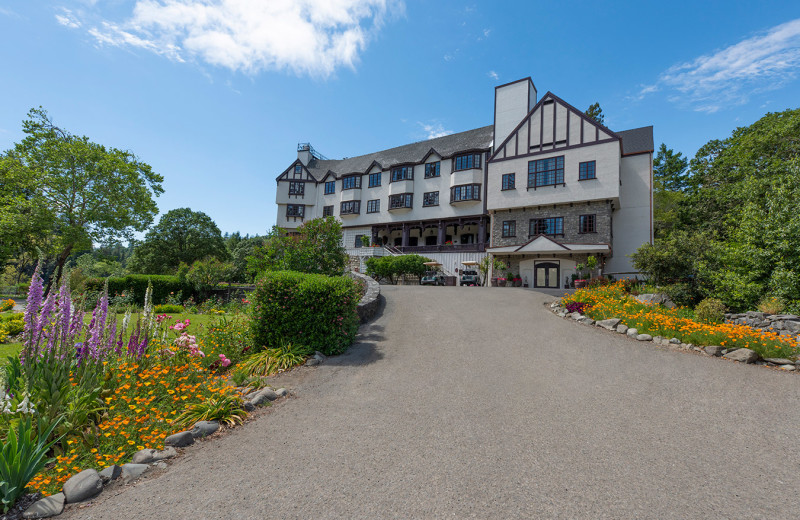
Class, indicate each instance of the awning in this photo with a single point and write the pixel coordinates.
(545, 245)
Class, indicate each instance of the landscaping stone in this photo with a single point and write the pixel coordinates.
(622, 328)
(656, 299)
(789, 368)
(266, 394)
(644, 337)
(675, 341)
(714, 350)
(83, 486)
(46, 507)
(657, 339)
(312, 362)
(110, 473)
(576, 316)
(179, 440)
(204, 428)
(131, 472)
(586, 320)
(319, 355)
(146, 456)
(632, 333)
(282, 392)
(248, 406)
(160, 465)
(610, 323)
(744, 355)
(779, 361)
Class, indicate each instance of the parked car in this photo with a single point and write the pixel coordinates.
(469, 277)
(432, 278)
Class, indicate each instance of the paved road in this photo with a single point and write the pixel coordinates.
(477, 403)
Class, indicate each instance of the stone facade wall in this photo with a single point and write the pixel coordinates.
(570, 213)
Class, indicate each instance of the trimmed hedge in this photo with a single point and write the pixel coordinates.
(314, 310)
(136, 284)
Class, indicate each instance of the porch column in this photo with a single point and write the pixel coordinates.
(482, 232)
(442, 228)
(405, 235)
(374, 235)
(490, 272)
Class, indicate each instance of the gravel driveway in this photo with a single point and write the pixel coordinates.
(465, 402)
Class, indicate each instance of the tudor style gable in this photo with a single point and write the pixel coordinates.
(552, 125)
(296, 172)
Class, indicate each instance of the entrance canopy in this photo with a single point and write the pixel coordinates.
(545, 245)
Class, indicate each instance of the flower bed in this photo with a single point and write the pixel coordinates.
(612, 301)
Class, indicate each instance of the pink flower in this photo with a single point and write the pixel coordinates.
(225, 361)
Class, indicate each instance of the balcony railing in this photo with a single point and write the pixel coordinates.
(456, 248)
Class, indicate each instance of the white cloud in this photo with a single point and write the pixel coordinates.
(434, 130)
(312, 37)
(726, 77)
(67, 19)
(492, 74)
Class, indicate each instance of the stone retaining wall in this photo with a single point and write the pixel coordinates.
(781, 324)
(368, 306)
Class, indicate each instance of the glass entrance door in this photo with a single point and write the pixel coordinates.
(546, 275)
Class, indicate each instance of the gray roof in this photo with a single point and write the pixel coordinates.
(447, 146)
(637, 140)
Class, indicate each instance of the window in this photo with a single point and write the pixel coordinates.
(547, 226)
(330, 187)
(546, 172)
(374, 179)
(586, 171)
(402, 200)
(352, 182)
(295, 210)
(373, 206)
(465, 192)
(297, 188)
(431, 170)
(327, 211)
(509, 228)
(430, 199)
(508, 181)
(467, 161)
(350, 207)
(358, 243)
(298, 168)
(587, 224)
(404, 173)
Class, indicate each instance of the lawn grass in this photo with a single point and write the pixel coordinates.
(197, 325)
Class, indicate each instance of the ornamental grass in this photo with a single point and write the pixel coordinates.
(612, 301)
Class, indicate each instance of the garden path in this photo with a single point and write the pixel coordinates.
(465, 402)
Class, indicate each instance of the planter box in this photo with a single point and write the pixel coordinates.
(581, 283)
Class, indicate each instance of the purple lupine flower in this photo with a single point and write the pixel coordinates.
(64, 310)
(43, 322)
(112, 335)
(133, 341)
(35, 294)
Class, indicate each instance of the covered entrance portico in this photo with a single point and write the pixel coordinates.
(543, 263)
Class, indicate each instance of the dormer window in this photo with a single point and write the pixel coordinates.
(330, 187)
(432, 170)
(466, 161)
(403, 173)
(351, 183)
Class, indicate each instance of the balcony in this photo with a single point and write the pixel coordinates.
(456, 248)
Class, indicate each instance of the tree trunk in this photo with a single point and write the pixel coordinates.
(62, 259)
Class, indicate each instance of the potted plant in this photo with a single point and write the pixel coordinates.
(591, 265)
(365, 240)
(501, 282)
(517, 281)
(580, 281)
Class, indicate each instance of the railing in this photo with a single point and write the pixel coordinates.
(456, 248)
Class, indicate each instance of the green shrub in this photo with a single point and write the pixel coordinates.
(136, 284)
(308, 309)
(273, 360)
(11, 326)
(710, 310)
(391, 267)
(168, 308)
(682, 294)
(771, 305)
(229, 336)
(226, 409)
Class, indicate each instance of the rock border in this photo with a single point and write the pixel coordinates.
(368, 306)
(743, 355)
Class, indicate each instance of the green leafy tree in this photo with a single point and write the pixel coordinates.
(595, 112)
(244, 249)
(181, 235)
(669, 170)
(207, 273)
(84, 192)
(315, 248)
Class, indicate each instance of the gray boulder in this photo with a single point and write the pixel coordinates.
(131, 472)
(282, 392)
(180, 439)
(46, 507)
(779, 361)
(312, 362)
(586, 320)
(319, 355)
(248, 406)
(656, 299)
(714, 350)
(744, 355)
(266, 394)
(83, 486)
(110, 473)
(632, 333)
(146, 456)
(789, 368)
(792, 326)
(675, 341)
(204, 428)
(622, 328)
(644, 337)
(610, 323)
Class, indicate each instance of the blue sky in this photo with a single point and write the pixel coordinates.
(216, 94)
